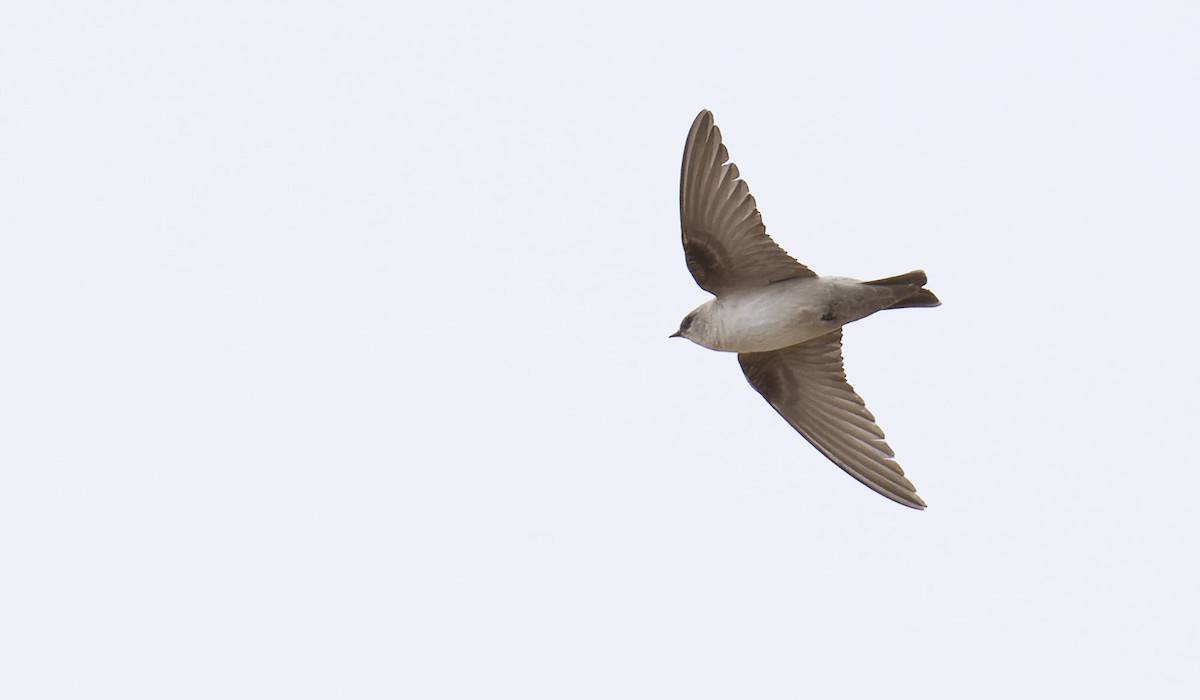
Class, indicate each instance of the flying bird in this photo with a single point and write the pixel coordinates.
(783, 320)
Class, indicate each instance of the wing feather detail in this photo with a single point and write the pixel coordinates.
(806, 384)
(725, 243)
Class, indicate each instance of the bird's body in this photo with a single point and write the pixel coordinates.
(784, 313)
(782, 319)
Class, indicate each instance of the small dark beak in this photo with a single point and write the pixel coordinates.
(676, 334)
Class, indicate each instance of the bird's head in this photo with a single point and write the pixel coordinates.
(694, 326)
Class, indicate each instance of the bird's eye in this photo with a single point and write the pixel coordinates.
(687, 323)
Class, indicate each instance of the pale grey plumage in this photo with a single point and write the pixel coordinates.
(782, 319)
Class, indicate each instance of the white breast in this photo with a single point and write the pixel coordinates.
(771, 318)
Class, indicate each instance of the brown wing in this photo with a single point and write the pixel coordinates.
(806, 384)
(724, 241)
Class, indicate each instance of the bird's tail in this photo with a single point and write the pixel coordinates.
(909, 289)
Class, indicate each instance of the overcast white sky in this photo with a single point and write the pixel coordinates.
(334, 357)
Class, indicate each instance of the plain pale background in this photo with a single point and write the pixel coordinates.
(334, 356)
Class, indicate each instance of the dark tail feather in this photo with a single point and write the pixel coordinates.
(909, 288)
(920, 298)
(916, 278)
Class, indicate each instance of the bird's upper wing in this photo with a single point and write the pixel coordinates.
(806, 384)
(724, 241)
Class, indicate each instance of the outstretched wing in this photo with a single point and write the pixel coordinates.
(724, 241)
(806, 384)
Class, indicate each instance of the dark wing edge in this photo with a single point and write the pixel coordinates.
(806, 384)
(725, 243)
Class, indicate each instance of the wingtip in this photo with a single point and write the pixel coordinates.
(912, 500)
(908, 499)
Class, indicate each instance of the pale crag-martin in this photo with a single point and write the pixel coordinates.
(782, 319)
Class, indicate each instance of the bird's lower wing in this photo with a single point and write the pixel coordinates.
(807, 385)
